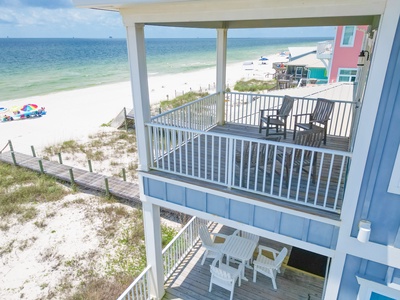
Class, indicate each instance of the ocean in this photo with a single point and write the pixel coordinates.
(30, 67)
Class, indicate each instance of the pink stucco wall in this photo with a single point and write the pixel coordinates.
(346, 57)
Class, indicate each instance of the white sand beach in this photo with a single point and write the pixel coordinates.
(75, 114)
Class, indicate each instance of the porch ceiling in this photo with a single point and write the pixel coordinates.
(242, 14)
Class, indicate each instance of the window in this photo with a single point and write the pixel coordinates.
(347, 75)
(348, 35)
(371, 290)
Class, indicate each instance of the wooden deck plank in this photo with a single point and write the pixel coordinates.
(191, 280)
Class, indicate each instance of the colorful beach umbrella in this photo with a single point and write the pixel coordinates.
(3, 109)
(29, 107)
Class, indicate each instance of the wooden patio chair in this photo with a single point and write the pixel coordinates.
(224, 275)
(317, 119)
(267, 266)
(212, 248)
(299, 159)
(277, 120)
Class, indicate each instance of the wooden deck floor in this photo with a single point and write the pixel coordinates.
(191, 280)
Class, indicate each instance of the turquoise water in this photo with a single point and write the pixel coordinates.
(30, 67)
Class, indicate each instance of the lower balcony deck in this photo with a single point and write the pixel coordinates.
(210, 157)
(191, 280)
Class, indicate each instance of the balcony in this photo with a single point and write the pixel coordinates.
(186, 278)
(325, 49)
(187, 142)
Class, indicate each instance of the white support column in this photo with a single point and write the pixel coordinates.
(332, 283)
(152, 233)
(222, 35)
(140, 90)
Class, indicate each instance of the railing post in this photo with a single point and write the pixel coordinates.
(124, 174)
(33, 151)
(41, 166)
(90, 166)
(59, 158)
(13, 158)
(230, 158)
(11, 146)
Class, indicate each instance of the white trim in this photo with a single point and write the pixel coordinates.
(350, 76)
(244, 200)
(394, 185)
(234, 224)
(367, 287)
(351, 41)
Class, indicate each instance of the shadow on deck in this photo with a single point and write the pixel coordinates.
(191, 280)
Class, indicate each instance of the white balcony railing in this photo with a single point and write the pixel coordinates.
(245, 109)
(198, 115)
(267, 169)
(173, 254)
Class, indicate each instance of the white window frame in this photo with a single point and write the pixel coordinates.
(367, 287)
(394, 185)
(347, 69)
(351, 41)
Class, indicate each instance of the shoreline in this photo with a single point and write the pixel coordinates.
(74, 114)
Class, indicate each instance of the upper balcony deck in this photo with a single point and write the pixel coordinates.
(187, 142)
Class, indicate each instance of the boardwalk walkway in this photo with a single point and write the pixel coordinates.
(94, 181)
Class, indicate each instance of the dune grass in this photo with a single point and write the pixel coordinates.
(181, 100)
(254, 85)
(21, 188)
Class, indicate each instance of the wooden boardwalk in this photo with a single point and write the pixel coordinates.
(94, 181)
(191, 280)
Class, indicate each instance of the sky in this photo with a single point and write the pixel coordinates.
(60, 19)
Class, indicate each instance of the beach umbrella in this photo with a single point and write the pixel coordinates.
(29, 107)
(3, 109)
(263, 58)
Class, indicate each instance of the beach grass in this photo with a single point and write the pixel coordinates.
(20, 189)
(181, 100)
(254, 85)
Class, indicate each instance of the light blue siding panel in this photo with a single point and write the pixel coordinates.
(156, 189)
(291, 226)
(217, 205)
(196, 200)
(376, 270)
(264, 218)
(240, 211)
(320, 233)
(176, 194)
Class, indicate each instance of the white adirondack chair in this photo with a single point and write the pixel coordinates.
(224, 275)
(213, 249)
(269, 267)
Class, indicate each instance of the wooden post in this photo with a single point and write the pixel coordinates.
(123, 174)
(107, 187)
(13, 158)
(11, 146)
(90, 166)
(71, 175)
(60, 158)
(33, 151)
(41, 166)
(126, 120)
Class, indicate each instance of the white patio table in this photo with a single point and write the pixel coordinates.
(239, 248)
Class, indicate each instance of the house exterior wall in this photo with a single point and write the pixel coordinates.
(289, 224)
(375, 203)
(346, 57)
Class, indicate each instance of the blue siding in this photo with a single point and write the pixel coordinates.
(300, 228)
(375, 203)
(355, 266)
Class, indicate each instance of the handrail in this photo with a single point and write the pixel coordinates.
(173, 254)
(8, 143)
(223, 159)
(138, 289)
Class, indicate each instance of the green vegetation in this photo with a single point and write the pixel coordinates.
(20, 189)
(181, 100)
(254, 85)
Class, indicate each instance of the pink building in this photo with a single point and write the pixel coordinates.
(348, 44)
